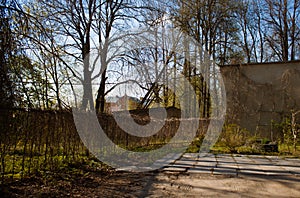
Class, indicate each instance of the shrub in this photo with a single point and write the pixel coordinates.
(233, 136)
(289, 132)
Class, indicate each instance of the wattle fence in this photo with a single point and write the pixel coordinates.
(46, 140)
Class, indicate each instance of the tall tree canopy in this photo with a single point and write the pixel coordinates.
(45, 45)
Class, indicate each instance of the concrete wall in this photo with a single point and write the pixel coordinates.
(260, 93)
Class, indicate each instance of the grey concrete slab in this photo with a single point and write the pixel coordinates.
(261, 169)
(225, 159)
(296, 160)
(234, 164)
(293, 170)
(168, 159)
(226, 171)
(186, 162)
(260, 160)
(271, 157)
(284, 163)
(244, 157)
(199, 170)
(251, 171)
(275, 159)
(229, 157)
(206, 164)
(224, 155)
(226, 162)
(248, 166)
(278, 173)
(206, 155)
(270, 168)
(181, 165)
(273, 170)
(174, 169)
(227, 165)
(207, 159)
(190, 155)
(243, 160)
(256, 156)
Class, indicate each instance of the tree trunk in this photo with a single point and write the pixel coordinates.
(100, 100)
(285, 39)
(87, 99)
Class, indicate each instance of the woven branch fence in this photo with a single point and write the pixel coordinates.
(46, 140)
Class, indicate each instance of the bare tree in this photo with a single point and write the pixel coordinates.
(75, 22)
(282, 17)
(111, 12)
(90, 25)
(248, 21)
(7, 48)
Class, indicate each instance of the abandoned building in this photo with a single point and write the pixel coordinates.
(259, 95)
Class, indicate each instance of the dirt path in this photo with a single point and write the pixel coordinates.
(226, 186)
(188, 176)
(161, 184)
